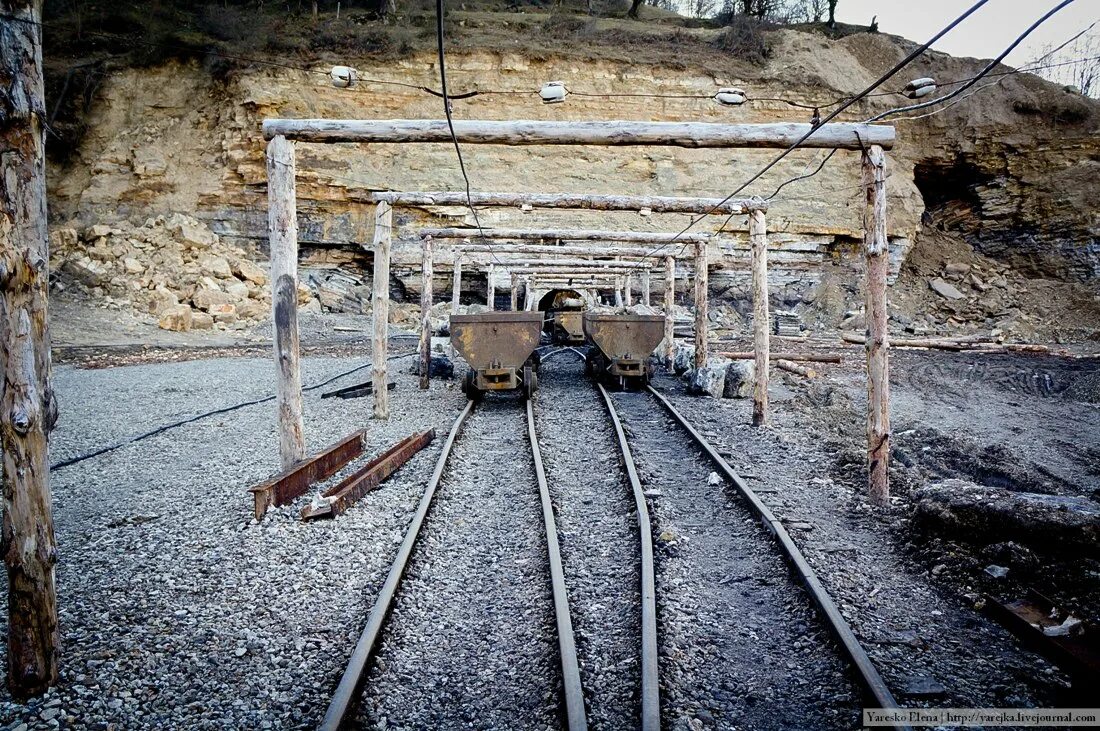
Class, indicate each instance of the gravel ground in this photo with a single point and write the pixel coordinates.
(471, 640)
(598, 530)
(177, 610)
(741, 646)
(921, 630)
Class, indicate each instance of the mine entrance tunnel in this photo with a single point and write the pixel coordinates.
(564, 309)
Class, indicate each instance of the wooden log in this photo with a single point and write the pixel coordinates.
(426, 313)
(514, 301)
(878, 365)
(490, 289)
(933, 343)
(573, 201)
(758, 237)
(380, 302)
(528, 295)
(292, 483)
(628, 286)
(844, 135)
(795, 368)
(594, 249)
(562, 234)
(670, 302)
(282, 229)
(797, 357)
(28, 407)
(456, 284)
(701, 319)
(618, 292)
(552, 262)
(645, 287)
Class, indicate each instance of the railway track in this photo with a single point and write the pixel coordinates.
(735, 642)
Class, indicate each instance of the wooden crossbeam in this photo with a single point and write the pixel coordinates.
(576, 263)
(524, 234)
(571, 201)
(626, 252)
(847, 136)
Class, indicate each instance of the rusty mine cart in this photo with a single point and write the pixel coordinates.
(499, 347)
(567, 327)
(621, 348)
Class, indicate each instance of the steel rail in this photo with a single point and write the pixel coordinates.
(866, 671)
(349, 682)
(567, 646)
(651, 700)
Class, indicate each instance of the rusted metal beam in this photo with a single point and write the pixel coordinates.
(343, 495)
(295, 481)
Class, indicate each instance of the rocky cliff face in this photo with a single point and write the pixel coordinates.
(1013, 168)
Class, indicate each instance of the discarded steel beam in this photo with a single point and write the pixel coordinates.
(295, 481)
(1061, 638)
(344, 494)
(356, 390)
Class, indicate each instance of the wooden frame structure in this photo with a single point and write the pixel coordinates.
(871, 140)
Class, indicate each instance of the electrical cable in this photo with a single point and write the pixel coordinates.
(832, 115)
(992, 64)
(199, 417)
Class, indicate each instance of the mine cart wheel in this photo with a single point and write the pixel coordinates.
(533, 361)
(530, 382)
(469, 386)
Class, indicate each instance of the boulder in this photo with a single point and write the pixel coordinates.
(132, 265)
(237, 290)
(207, 299)
(252, 310)
(226, 312)
(97, 231)
(201, 321)
(250, 271)
(177, 317)
(162, 298)
(740, 379)
(191, 232)
(215, 266)
(312, 307)
(86, 271)
(683, 358)
(710, 380)
(978, 513)
(63, 239)
(945, 289)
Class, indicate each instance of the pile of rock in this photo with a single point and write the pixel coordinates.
(719, 378)
(173, 268)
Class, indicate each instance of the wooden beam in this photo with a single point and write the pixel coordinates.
(490, 289)
(426, 313)
(513, 302)
(596, 249)
(701, 320)
(562, 234)
(878, 365)
(758, 236)
(28, 407)
(572, 201)
(846, 135)
(456, 284)
(645, 287)
(282, 229)
(618, 292)
(572, 263)
(628, 286)
(798, 357)
(380, 309)
(670, 302)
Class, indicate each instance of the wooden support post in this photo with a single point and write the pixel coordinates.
(490, 288)
(528, 295)
(456, 284)
(645, 287)
(380, 303)
(514, 302)
(28, 408)
(876, 252)
(670, 302)
(426, 313)
(618, 291)
(701, 319)
(758, 239)
(282, 230)
(628, 284)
